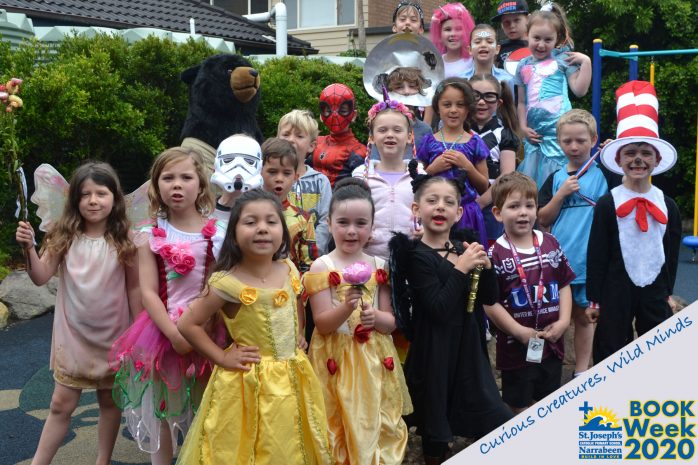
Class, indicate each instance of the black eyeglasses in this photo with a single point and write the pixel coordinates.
(489, 97)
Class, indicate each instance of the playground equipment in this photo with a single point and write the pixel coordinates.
(633, 57)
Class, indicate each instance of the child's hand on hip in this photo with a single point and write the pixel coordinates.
(532, 136)
(240, 357)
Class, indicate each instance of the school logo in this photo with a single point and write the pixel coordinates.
(652, 430)
(554, 257)
(600, 435)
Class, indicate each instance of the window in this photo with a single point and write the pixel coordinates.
(243, 7)
(320, 13)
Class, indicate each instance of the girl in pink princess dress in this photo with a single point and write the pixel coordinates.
(159, 379)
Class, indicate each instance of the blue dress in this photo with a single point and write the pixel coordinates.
(545, 85)
(476, 151)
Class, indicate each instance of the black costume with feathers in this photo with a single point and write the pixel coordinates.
(447, 369)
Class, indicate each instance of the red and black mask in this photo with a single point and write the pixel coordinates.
(337, 107)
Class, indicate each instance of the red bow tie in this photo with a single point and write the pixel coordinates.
(641, 206)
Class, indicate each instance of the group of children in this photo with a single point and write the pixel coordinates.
(337, 251)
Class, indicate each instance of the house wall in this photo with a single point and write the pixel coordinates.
(380, 12)
(336, 39)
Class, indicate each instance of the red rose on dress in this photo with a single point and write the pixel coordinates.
(210, 229)
(158, 232)
(381, 276)
(166, 252)
(389, 364)
(184, 264)
(362, 334)
(334, 278)
(331, 366)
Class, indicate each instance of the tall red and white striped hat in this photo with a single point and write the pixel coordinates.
(637, 110)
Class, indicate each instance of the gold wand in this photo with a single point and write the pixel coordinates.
(474, 283)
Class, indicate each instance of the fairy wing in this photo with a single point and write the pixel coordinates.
(50, 194)
(137, 206)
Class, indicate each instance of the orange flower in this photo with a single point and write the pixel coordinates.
(296, 284)
(248, 295)
(280, 299)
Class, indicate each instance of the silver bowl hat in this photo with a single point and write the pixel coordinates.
(404, 50)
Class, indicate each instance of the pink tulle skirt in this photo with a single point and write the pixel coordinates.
(154, 383)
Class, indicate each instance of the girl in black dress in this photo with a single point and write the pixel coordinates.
(447, 368)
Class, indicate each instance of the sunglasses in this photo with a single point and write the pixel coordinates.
(488, 97)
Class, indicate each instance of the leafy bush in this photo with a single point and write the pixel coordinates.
(295, 83)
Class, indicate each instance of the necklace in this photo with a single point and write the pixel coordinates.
(449, 147)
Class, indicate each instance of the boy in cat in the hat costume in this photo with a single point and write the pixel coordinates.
(636, 231)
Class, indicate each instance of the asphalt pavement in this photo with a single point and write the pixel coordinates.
(26, 386)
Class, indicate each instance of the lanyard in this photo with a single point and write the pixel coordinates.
(522, 276)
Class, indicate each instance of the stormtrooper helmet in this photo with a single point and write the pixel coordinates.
(238, 164)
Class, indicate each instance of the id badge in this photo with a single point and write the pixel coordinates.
(535, 350)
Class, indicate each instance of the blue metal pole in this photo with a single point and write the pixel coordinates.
(596, 87)
(632, 66)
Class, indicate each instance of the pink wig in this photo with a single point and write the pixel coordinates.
(456, 12)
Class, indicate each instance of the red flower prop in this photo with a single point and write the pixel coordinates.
(334, 278)
(362, 334)
(381, 276)
(331, 366)
(159, 232)
(389, 363)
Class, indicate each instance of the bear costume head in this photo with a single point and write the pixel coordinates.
(223, 98)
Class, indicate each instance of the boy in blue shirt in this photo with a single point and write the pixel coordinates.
(566, 204)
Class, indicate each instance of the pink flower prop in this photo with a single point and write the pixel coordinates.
(185, 265)
(190, 371)
(158, 232)
(357, 274)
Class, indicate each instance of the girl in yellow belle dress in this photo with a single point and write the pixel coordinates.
(263, 403)
(351, 349)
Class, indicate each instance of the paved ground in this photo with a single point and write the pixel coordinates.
(26, 386)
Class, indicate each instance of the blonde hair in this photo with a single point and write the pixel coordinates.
(300, 119)
(577, 116)
(59, 239)
(204, 200)
(508, 183)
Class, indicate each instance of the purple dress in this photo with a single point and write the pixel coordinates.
(476, 150)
